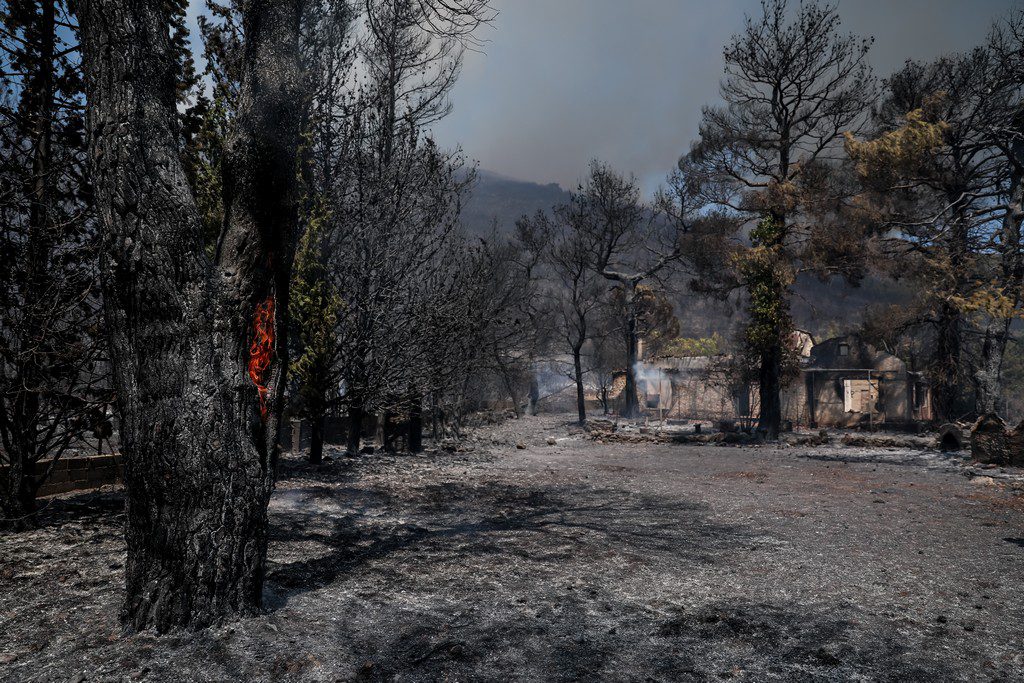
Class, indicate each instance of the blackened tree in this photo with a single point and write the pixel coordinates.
(632, 243)
(53, 387)
(792, 87)
(573, 287)
(393, 197)
(197, 342)
(943, 171)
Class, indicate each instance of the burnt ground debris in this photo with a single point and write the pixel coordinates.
(572, 561)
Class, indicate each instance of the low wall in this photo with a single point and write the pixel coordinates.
(299, 433)
(79, 473)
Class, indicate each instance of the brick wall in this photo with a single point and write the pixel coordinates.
(79, 474)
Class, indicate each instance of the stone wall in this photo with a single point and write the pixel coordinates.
(79, 473)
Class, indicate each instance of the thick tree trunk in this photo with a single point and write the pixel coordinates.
(769, 392)
(988, 377)
(630, 402)
(577, 365)
(316, 440)
(947, 377)
(946, 389)
(771, 317)
(198, 435)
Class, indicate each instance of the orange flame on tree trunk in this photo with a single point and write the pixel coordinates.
(261, 350)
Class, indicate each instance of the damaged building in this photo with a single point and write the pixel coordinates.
(843, 382)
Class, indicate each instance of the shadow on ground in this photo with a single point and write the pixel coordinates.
(497, 521)
(595, 564)
(537, 580)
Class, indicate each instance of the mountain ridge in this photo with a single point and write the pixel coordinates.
(498, 200)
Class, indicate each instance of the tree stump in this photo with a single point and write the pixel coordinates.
(1015, 440)
(990, 442)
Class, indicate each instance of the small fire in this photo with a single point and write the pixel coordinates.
(262, 349)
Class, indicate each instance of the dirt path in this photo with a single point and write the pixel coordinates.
(572, 561)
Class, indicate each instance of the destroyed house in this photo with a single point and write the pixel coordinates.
(843, 382)
(849, 383)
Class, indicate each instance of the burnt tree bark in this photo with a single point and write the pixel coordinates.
(198, 436)
(948, 353)
(415, 438)
(316, 440)
(630, 403)
(997, 332)
(769, 388)
(21, 480)
(577, 368)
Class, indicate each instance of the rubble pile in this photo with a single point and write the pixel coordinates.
(868, 440)
(607, 431)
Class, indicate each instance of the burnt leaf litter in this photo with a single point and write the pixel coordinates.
(537, 552)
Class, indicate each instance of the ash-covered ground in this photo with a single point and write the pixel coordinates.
(525, 560)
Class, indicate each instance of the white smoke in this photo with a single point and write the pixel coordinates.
(653, 381)
(551, 379)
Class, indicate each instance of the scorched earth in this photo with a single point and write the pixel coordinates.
(540, 554)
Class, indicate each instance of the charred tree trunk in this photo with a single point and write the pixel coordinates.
(770, 320)
(997, 333)
(434, 417)
(389, 431)
(19, 500)
(416, 424)
(24, 451)
(197, 344)
(769, 392)
(630, 402)
(316, 440)
(947, 363)
(577, 366)
(947, 366)
(988, 377)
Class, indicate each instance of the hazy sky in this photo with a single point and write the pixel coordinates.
(559, 82)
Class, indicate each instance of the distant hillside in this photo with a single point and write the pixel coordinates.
(817, 306)
(497, 197)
